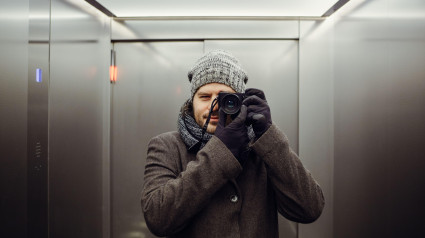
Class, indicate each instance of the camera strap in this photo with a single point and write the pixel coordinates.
(204, 129)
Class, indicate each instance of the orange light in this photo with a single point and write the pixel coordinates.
(113, 73)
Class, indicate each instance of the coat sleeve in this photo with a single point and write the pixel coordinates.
(171, 198)
(299, 197)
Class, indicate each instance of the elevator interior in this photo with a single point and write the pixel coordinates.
(347, 89)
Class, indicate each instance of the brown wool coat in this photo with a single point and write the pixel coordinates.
(209, 194)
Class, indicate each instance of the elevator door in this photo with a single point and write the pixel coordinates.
(152, 85)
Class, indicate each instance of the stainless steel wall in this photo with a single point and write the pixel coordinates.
(151, 87)
(13, 117)
(367, 62)
(78, 120)
(272, 66)
(316, 108)
(379, 59)
(78, 116)
(277, 72)
(147, 96)
(360, 122)
(37, 140)
(203, 29)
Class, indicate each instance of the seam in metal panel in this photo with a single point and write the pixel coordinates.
(335, 8)
(101, 8)
(247, 18)
(195, 39)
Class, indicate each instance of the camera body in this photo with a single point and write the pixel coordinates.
(230, 102)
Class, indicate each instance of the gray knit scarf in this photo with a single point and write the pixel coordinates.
(191, 132)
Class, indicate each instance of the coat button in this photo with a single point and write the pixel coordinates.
(234, 198)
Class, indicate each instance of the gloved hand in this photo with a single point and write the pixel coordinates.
(258, 111)
(234, 135)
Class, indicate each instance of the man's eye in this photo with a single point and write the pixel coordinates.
(205, 97)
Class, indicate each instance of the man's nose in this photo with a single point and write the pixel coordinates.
(215, 105)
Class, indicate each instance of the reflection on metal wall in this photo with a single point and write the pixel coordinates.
(79, 60)
(151, 87)
(272, 66)
(203, 29)
(316, 117)
(375, 57)
(379, 120)
(13, 117)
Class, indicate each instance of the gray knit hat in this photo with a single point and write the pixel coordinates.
(218, 66)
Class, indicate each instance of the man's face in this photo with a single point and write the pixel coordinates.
(202, 104)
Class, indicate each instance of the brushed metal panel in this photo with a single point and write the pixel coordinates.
(273, 67)
(379, 120)
(13, 117)
(38, 82)
(39, 21)
(152, 85)
(78, 98)
(203, 29)
(316, 117)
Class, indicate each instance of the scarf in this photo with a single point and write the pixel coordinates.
(191, 132)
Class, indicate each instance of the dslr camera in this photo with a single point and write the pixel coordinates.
(230, 102)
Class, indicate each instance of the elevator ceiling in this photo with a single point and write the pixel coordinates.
(237, 8)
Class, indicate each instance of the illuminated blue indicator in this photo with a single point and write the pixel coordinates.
(38, 75)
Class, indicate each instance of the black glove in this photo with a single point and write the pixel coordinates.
(258, 111)
(234, 135)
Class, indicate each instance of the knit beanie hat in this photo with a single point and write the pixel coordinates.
(218, 66)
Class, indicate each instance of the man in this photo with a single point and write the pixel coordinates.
(232, 179)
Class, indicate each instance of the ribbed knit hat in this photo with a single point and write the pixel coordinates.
(218, 66)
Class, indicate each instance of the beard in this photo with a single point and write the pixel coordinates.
(212, 125)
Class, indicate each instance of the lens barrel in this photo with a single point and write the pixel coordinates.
(230, 102)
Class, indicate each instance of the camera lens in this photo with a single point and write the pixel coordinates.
(231, 104)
